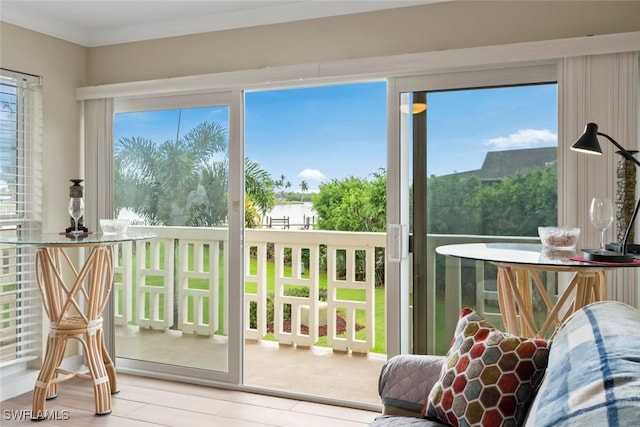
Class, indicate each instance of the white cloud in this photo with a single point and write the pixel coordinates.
(312, 174)
(523, 138)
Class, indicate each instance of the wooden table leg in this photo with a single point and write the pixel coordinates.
(109, 366)
(55, 347)
(525, 303)
(522, 295)
(588, 290)
(101, 387)
(506, 300)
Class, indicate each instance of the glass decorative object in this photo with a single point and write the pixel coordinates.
(76, 191)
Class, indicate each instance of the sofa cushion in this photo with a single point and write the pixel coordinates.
(593, 377)
(399, 421)
(489, 377)
(405, 382)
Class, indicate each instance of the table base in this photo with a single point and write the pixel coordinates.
(516, 303)
(75, 313)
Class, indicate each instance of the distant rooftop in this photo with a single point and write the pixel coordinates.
(499, 164)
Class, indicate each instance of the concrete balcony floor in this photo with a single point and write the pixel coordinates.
(317, 371)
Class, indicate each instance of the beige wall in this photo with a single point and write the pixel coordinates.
(439, 26)
(63, 67)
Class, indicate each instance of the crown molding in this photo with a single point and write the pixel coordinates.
(372, 68)
(225, 15)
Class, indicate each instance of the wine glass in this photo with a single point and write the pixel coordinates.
(76, 210)
(601, 215)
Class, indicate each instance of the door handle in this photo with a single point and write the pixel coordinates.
(397, 242)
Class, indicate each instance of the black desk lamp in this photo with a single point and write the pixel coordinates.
(588, 143)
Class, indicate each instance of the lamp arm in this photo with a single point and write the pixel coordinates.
(627, 155)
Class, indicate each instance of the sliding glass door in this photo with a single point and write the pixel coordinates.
(297, 281)
(315, 240)
(176, 297)
(481, 166)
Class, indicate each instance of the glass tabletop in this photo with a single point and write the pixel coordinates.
(57, 239)
(520, 253)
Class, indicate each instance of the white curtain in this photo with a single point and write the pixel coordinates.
(602, 89)
(98, 180)
(98, 161)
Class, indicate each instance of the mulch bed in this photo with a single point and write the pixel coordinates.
(341, 325)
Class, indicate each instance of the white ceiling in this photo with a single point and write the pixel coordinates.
(100, 22)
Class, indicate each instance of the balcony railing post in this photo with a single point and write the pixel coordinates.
(259, 299)
(160, 314)
(351, 307)
(123, 283)
(296, 303)
(193, 253)
(453, 302)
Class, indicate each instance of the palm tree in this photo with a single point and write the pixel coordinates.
(278, 184)
(304, 187)
(281, 184)
(259, 186)
(182, 181)
(287, 186)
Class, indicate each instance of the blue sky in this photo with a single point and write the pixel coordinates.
(317, 134)
(321, 133)
(464, 125)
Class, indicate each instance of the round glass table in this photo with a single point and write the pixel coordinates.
(519, 265)
(74, 297)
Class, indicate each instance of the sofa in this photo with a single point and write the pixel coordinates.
(590, 377)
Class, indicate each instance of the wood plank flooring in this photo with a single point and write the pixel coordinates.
(145, 402)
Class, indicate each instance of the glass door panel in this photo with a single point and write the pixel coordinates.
(483, 168)
(171, 295)
(315, 240)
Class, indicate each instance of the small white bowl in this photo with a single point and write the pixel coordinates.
(563, 238)
(114, 226)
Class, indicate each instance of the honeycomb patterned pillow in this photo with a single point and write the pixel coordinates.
(489, 377)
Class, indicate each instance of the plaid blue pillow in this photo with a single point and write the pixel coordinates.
(593, 376)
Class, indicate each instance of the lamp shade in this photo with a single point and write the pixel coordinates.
(588, 142)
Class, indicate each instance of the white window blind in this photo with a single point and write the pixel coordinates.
(20, 211)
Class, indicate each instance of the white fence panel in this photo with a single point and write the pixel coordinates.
(351, 280)
(198, 260)
(158, 299)
(259, 299)
(123, 283)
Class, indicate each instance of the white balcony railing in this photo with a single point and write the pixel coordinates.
(175, 282)
(163, 289)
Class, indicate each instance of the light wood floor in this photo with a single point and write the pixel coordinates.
(149, 402)
(267, 365)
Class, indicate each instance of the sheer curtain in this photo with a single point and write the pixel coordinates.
(602, 89)
(98, 179)
(98, 160)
